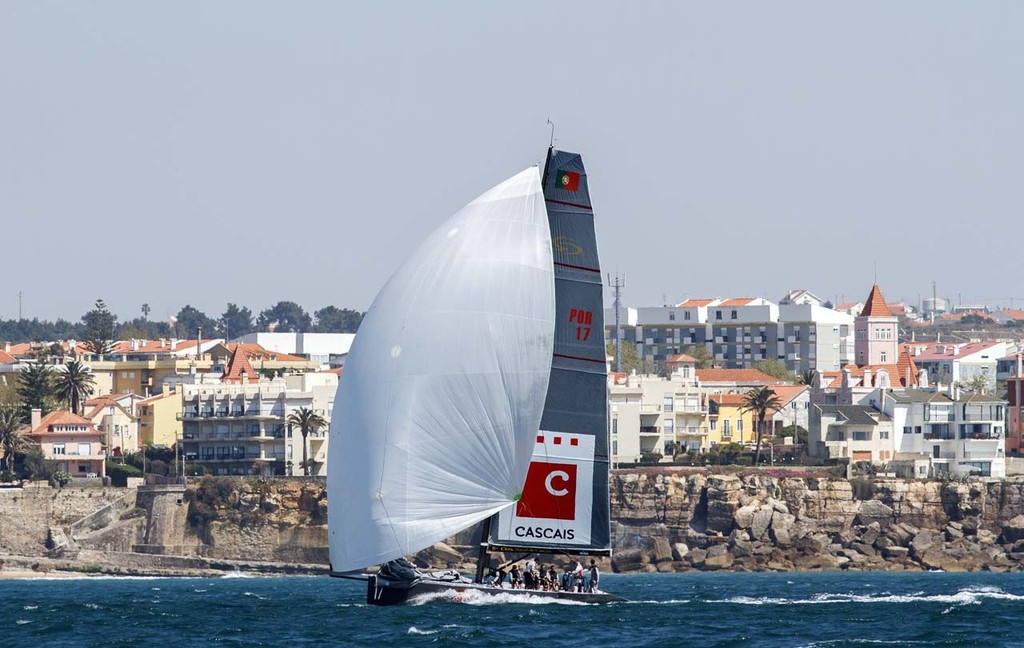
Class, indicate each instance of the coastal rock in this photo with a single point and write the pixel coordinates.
(662, 551)
(679, 551)
(438, 555)
(718, 557)
(762, 520)
(781, 532)
(921, 543)
(874, 512)
(1013, 530)
(745, 516)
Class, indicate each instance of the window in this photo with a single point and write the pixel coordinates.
(686, 315)
(725, 428)
(861, 435)
(884, 357)
(883, 434)
(58, 449)
(666, 405)
(733, 315)
(739, 425)
(907, 429)
(714, 425)
(669, 429)
(615, 426)
(84, 449)
(917, 429)
(686, 371)
(615, 447)
(671, 316)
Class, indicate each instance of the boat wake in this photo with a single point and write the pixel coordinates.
(966, 596)
(471, 597)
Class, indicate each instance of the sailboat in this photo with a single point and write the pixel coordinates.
(475, 395)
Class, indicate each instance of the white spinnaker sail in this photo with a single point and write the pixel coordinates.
(439, 405)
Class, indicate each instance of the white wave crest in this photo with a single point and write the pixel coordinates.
(413, 630)
(473, 597)
(966, 596)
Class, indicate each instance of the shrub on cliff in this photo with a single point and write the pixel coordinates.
(863, 489)
(119, 473)
(213, 493)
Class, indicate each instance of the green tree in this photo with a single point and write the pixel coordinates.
(74, 385)
(308, 422)
(235, 321)
(285, 317)
(806, 377)
(11, 441)
(759, 400)
(36, 388)
(700, 354)
(775, 369)
(146, 310)
(331, 319)
(190, 320)
(631, 360)
(976, 384)
(100, 324)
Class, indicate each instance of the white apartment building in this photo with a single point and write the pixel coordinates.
(949, 362)
(851, 432)
(329, 349)
(739, 332)
(959, 433)
(651, 414)
(242, 429)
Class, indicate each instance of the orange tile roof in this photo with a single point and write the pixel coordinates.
(60, 417)
(254, 351)
(1014, 313)
(737, 376)
(875, 305)
(239, 368)
(7, 358)
(21, 348)
(897, 372)
(693, 303)
(157, 397)
(727, 399)
(681, 357)
(787, 393)
(846, 306)
(739, 301)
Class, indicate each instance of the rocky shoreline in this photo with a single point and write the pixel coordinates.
(664, 520)
(777, 523)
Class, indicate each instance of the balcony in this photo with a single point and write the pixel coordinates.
(650, 430)
(650, 409)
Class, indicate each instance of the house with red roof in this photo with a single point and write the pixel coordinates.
(72, 441)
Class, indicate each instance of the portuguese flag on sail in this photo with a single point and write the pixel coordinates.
(567, 180)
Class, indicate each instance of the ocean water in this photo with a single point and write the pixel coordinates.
(708, 609)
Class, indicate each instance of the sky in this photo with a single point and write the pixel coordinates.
(251, 152)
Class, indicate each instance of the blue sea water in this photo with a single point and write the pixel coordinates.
(708, 609)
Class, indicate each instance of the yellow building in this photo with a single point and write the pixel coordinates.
(728, 424)
(119, 426)
(160, 419)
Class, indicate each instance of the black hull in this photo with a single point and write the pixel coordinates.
(386, 592)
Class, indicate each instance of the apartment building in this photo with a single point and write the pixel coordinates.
(959, 433)
(851, 432)
(652, 414)
(739, 332)
(241, 428)
(949, 362)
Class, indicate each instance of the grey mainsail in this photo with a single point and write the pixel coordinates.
(564, 504)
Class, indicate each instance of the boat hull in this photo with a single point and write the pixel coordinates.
(386, 592)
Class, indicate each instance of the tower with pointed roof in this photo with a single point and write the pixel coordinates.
(875, 332)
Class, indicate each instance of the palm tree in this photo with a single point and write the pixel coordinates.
(806, 377)
(11, 440)
(75, 384)
(759, 400)
(307, 421)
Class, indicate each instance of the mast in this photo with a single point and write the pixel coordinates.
(564, 505)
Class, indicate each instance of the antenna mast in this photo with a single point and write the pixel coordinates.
(618, 284)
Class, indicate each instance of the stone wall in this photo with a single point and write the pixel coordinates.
(28, 514)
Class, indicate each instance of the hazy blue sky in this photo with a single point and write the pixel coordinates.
(196, 152)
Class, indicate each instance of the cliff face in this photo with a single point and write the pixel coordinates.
(662, 521)
(670, 521)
